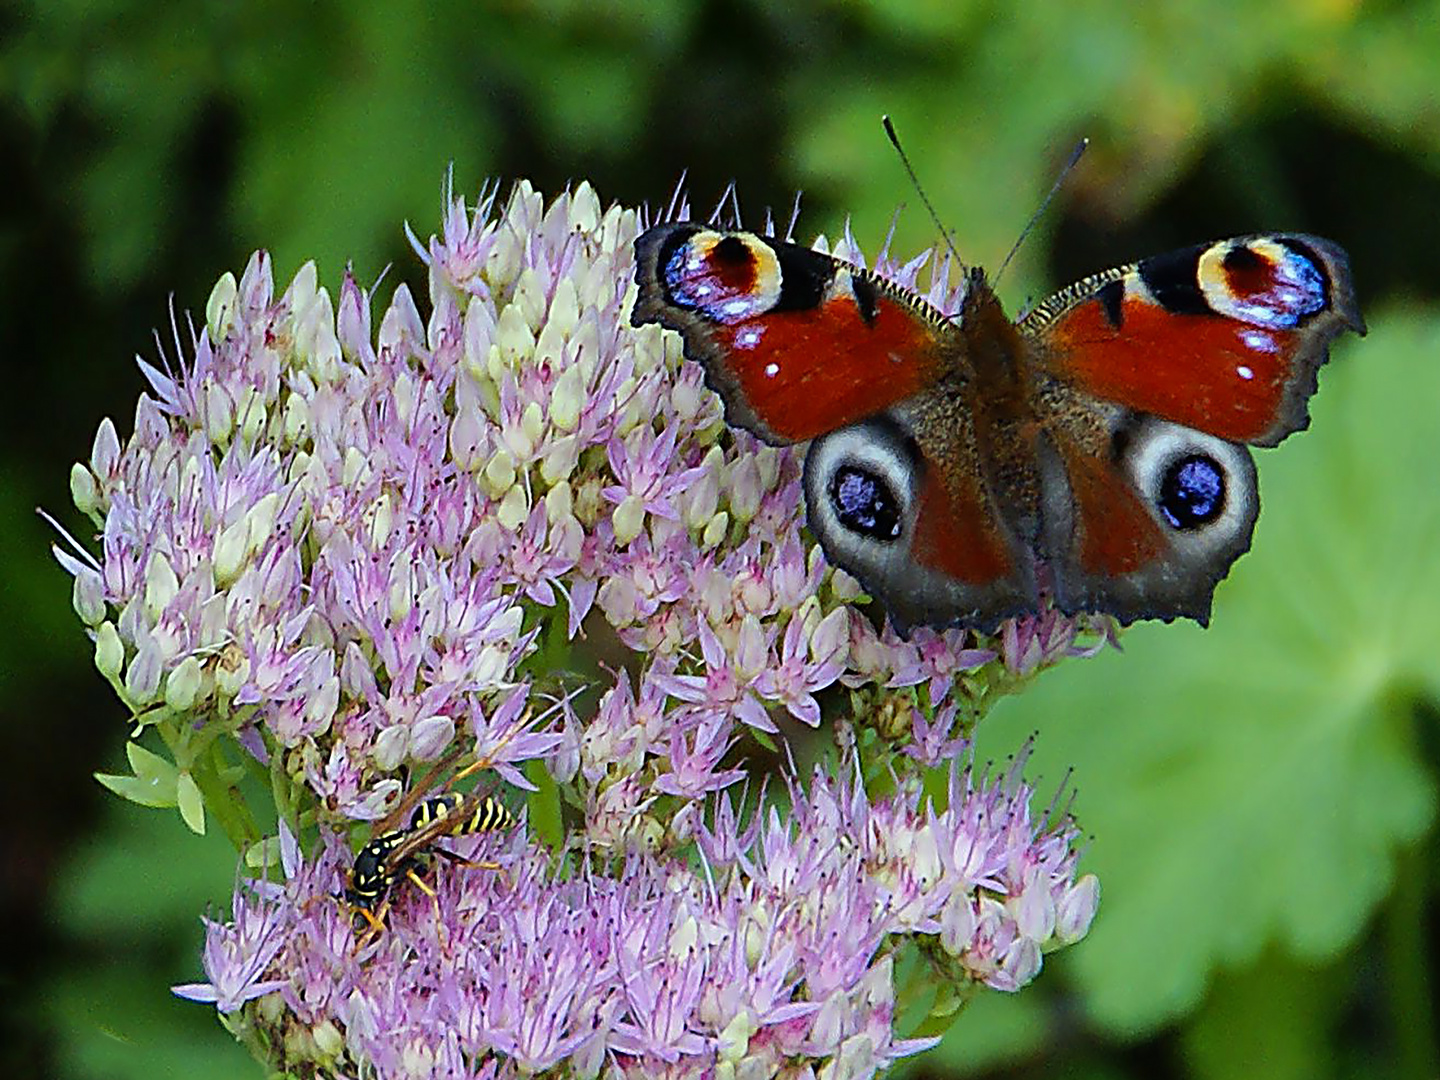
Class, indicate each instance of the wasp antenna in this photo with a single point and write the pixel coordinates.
(915, 183)
(1065, 171)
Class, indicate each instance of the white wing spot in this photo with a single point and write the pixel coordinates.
(1244, 372)
(1260, 341)
(772, 369)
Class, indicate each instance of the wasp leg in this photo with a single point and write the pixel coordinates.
(420, 883)
(461, 860)
(376, 919)
(425, 887)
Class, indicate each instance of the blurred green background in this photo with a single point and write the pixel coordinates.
(1261, 795)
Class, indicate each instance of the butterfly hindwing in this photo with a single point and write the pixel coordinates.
(899, 501)
(1143, 516)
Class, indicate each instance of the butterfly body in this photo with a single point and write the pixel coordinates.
(963, 468)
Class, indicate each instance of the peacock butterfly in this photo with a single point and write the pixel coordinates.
(961, 467)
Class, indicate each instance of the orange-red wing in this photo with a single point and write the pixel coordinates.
(1225, 338)
(797, 342)
(808, 372)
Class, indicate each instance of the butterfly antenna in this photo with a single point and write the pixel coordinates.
(1065, 171)
(915, 183)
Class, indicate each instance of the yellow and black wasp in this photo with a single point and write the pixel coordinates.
(398, 853)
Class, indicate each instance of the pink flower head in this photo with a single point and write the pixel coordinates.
(384, 549)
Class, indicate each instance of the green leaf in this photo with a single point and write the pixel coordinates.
(125, 901)
(143, 874)
(192, 804)
(264, 855)
(1251, 783)
(137, 791)
(120, 1021)
(150, 766)
(155, 782)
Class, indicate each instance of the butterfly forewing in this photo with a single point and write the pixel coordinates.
(1225, 338)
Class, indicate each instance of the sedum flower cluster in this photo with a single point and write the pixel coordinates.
(340, 554)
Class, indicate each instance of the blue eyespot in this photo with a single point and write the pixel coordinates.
(864, 503)
(1192, 492)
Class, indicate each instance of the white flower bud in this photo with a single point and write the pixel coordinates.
(260, 520)
(182, 685)
(142, 677)
(161, 585)
(88, 597)
(109, 650)
(84, 491)
(715, 530)
(559, 502)
(231, 551)
(628, 519)
(560, 459)
(564, 308)
(430, 736)
(220, 308)
(105, 452)
(500, 472)
(296, 420)
(567, 400)
(513, 338)
(529, 298)
(514, 508)
(391, 745)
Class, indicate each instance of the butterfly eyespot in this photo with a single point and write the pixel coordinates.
(864, 503)
(1192, 491)
(727, 278)
(1267, 282)
(1200, 488)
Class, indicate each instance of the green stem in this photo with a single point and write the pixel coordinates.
(223, 802)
